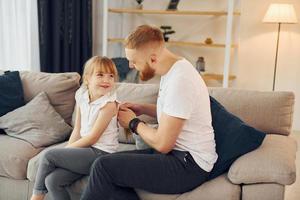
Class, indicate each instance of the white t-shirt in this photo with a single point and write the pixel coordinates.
(89, 112)
(183, 94)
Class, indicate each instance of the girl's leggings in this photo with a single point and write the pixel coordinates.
(61, 167)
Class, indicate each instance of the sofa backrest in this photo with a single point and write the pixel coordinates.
(60, 88)
(270, 112)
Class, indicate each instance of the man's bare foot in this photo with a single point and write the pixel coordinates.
(37, 197)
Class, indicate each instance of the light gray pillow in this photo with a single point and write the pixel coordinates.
(37, 123)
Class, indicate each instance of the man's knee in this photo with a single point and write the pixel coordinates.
(98, 164)
(103, 165)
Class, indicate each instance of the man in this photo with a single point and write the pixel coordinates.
(183, 146)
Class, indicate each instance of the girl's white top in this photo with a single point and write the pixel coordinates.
(108, 141)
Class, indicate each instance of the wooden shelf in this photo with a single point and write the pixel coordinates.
(218, 77)
(181, 43)
(167, 12)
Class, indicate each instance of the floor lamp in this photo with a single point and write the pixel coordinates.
(280, 14)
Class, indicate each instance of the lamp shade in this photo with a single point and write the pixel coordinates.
(281, 13)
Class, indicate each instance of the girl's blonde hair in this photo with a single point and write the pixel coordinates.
(103, 64)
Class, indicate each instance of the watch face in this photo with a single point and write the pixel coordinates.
(133, 125)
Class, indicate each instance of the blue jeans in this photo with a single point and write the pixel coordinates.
(61, 167)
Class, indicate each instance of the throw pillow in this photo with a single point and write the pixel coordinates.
(122, 65)
(233, 138)
(37, 123)
(11, 92)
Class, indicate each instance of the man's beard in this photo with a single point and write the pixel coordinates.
(147, 73)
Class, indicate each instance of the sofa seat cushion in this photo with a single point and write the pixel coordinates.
(216, 189)
(14, 157)
(225, 189)
(272, 162)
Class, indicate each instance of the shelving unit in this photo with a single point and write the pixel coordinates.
(167, 12)
(180, 43)
(218, 77)
(230, 13)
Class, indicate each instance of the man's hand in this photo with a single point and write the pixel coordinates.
(125, 115)
(136, 108)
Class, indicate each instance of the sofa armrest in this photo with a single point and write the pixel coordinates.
(272, 162)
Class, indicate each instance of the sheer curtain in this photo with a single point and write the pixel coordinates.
(19, 43)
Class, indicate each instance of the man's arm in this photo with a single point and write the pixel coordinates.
(149, 109)
(162, 139)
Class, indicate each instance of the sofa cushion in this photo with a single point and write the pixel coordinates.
(270, 112)
(11, 92)
(216, 189)
(233, 138)
(272, 162)
(60, 88)
(14, 157)
(267, 191)
(37, 122)
(225, 190)
(122, 65)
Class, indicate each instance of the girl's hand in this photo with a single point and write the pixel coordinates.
(125, 115)
(136, 108)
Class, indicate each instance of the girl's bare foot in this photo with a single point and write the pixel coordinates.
(37, 197)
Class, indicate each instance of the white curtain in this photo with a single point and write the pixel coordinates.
(19, 44)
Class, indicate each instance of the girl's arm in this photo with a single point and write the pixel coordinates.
(76, 131)
(101, 123)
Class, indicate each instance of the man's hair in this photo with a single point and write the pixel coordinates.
(144, 35)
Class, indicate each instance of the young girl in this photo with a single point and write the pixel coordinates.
(95, 132)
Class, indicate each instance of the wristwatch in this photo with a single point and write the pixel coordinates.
(133, 124)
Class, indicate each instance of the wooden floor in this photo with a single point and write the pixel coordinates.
(292, 192)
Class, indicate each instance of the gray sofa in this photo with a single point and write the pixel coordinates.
(261, 174)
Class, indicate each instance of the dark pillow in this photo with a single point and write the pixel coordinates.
(11, 92)
(122, 65)
(233, 138)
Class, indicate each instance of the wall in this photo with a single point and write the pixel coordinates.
(257, 41)
(257, 52)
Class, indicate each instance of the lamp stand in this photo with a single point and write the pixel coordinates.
(278, 34)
